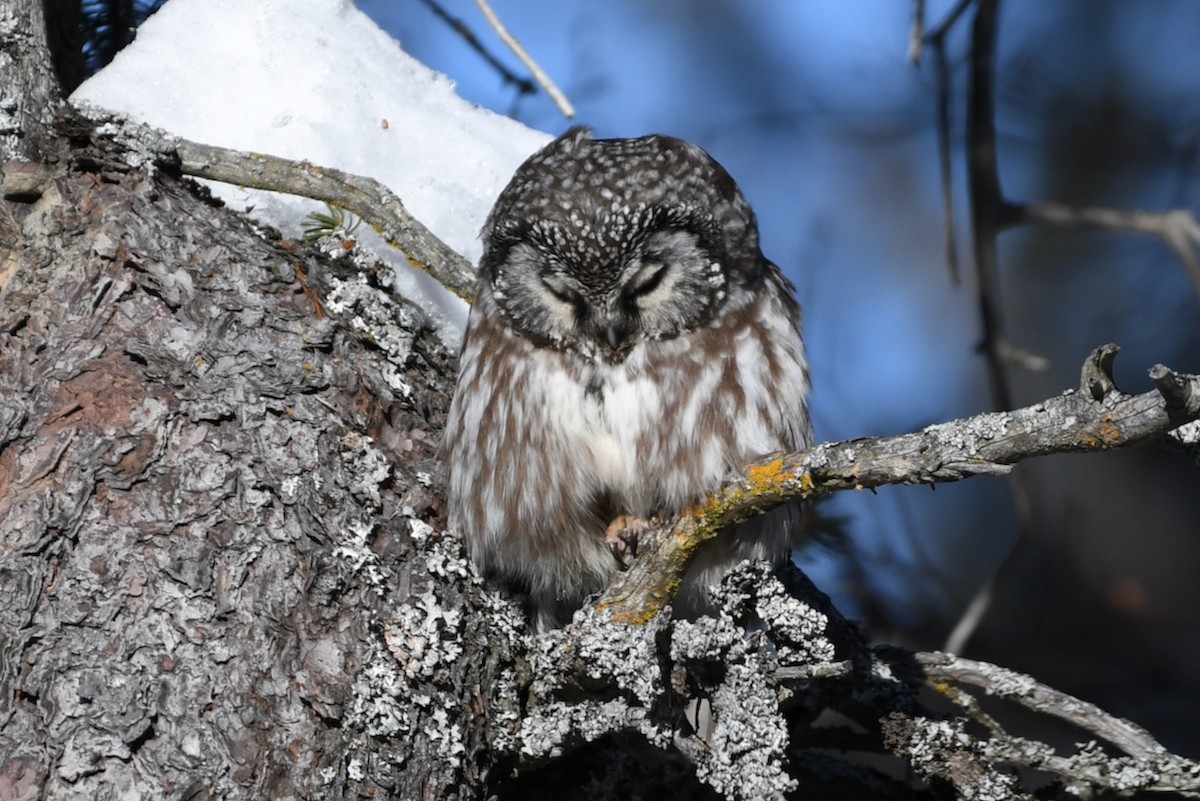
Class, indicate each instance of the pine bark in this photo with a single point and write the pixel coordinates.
(218, 527)
(29, 92)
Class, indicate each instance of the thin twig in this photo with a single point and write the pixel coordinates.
(970, 706)
(916, 32)
(973, 614)
(937, 40)
(943, 142)
(942, 28)
(524, 85)
(539, 75)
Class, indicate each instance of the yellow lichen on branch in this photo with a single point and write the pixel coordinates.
(765, 477)
(1109, 432)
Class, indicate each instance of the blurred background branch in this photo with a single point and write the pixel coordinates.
(992, 213)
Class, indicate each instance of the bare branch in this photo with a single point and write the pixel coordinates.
(524, 85)
(948, 21)
(536, 71)
(988, 207)
(944, 161)
(1178, 228)
(1021, 358)
(936, 39)
(973, 614)
(916, 32)
(1095, 417)
(364, 196)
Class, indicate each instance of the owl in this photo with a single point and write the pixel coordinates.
(628, 347)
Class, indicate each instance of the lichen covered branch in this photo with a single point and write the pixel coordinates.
(1023, 689)
(1147, 766)
(1095, 417)
(746, 696)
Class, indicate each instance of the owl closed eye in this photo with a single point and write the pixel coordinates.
(629, 345)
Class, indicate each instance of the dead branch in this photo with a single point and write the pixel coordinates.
(525, 86)
(1094, 417)
(1155, 768)
(366, 197)
(1178, 228)
(539, 75)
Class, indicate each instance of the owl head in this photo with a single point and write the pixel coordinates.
(597, 245)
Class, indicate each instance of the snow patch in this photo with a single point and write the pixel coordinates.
(318, 80)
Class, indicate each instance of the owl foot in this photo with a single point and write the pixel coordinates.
(621, 536)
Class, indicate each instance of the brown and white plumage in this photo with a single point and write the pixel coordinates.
(629, 345)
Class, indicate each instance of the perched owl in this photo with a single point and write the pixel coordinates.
(628, 347)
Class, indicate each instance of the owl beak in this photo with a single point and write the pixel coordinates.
(615, 329)
(614, 334)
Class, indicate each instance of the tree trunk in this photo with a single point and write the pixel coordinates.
(214, 506)
(218, 577)
(29, 92)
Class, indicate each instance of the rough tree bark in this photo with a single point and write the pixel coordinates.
(212, 499)
(215, 503)
(29, 92)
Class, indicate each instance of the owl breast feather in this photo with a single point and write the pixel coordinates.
(546, 447)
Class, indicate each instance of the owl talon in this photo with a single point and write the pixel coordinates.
(618, 551)
(622, 537)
